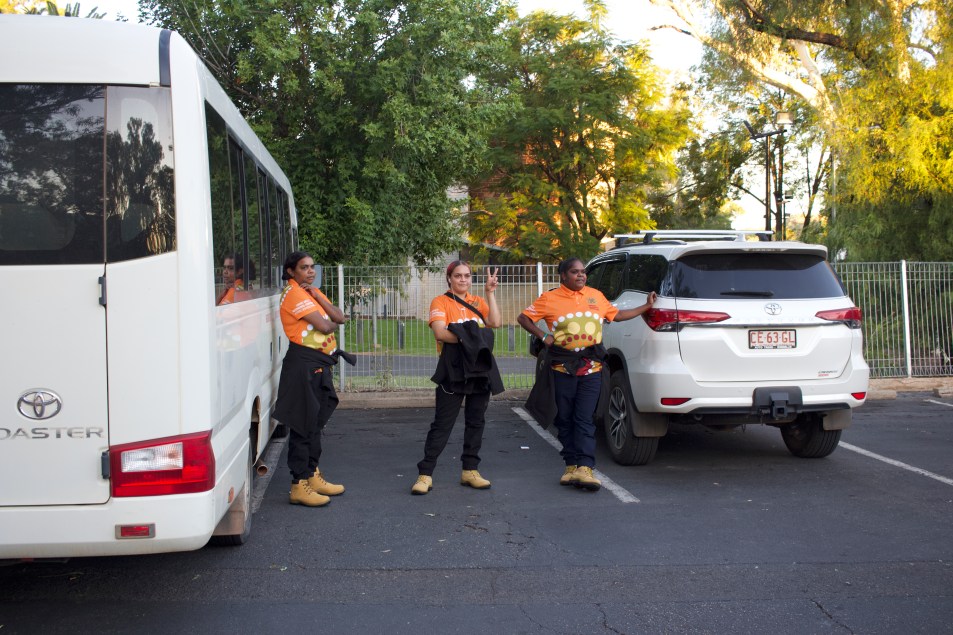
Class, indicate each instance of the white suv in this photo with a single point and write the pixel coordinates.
(744, 331)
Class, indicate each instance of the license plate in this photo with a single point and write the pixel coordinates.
(781, 338)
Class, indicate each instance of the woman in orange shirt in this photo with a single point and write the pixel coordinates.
(306, 396)
(459, 311)
(574, 314)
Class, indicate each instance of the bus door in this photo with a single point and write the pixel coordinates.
(55, 430)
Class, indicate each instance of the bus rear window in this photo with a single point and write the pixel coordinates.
(51, 174)
(85, 174)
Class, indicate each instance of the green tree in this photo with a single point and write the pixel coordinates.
(874, 79)
(709, 168)
(592, 138)
(368, 105)
(48, 7)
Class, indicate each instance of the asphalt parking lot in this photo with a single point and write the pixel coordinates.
(725, 532)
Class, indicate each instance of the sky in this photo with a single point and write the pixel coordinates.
(628, 20)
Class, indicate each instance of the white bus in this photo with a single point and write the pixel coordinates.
(137, 380)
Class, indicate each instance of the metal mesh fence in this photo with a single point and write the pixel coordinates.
(931, 316)
(387, 328)
(908, 313)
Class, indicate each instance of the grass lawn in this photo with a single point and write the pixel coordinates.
(414, 337)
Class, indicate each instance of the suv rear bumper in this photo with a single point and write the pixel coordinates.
(737, 398)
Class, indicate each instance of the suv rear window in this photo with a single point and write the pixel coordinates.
(752, 275)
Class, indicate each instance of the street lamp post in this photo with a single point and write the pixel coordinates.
(782, 119)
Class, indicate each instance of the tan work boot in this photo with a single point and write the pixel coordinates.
(321, 486)
(302, 494)
(474, 480)
(566, 478)
(423, 485)
(583, 477)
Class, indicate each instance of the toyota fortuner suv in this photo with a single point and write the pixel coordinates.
(744, 331)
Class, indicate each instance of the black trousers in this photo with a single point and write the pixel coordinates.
(447, 407)
(304, 450)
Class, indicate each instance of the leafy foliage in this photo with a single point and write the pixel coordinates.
(366, 104)
(872, 85)
(48, 7)
(591, 140)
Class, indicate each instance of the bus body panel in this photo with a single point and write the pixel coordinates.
(142, 321)
(50, 49)
(54, 339)
(177, 363)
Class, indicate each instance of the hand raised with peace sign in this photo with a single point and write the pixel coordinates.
(491, 280)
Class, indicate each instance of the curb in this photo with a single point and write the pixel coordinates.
(880, 389)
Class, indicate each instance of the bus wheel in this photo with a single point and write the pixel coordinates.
(236, 525)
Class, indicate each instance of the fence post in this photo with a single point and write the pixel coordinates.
(539, 279)
(341, 327)
(906, 317)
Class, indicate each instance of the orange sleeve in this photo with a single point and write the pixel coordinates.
(438, 310)
(609, 310)
(299, 303)
(483, 306)
(538, 309)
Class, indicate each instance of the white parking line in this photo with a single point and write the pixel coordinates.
(939, 403)
(617, 490)
(910, 468)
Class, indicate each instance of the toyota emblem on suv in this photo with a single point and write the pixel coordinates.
(39, 404)
(772, 308)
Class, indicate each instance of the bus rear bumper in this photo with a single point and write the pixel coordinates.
(177, 523)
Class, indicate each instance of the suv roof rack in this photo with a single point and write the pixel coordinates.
(651, 235)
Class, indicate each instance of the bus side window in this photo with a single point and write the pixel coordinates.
(225, 265)
(253, 220)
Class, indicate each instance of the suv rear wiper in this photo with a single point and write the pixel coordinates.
(750, 294)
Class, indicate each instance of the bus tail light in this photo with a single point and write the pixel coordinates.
(159, 467)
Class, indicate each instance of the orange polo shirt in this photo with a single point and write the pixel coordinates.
(448, 311)
(297, 303)
(228, 296)
(574, 318)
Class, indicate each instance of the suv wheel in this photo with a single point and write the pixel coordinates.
(808, 439)
(625, 447)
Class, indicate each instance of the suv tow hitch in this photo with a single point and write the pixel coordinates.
(780, 403)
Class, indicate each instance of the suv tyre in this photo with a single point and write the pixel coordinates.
(808, 439)
(620, 419)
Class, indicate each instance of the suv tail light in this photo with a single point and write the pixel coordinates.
(852, 317)
(173, 465)
(664, 320)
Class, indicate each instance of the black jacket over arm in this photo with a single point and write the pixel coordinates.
(541, 403)
(469, 367)
(301, 402)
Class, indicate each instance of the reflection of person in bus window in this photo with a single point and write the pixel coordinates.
(232, 277)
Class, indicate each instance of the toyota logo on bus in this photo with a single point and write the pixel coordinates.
(772, 308)
(39, 404)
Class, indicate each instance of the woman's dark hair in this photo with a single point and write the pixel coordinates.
(567, 263)
(453, 266)
(291, 262)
